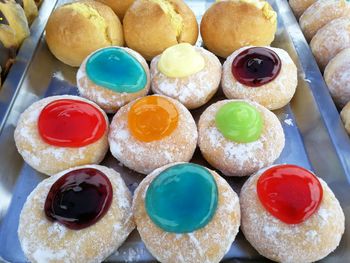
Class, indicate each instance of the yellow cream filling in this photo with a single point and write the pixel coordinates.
(175, 18)
(180, 61)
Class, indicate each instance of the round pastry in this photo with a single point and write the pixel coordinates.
(186, 73)
(151, 132)
(255, 24)
(299, 6)
(151, 26)
(263, 74)
(330, 40)
(337, 77)
(91, 25)
(79, 215)
(112, 77)
(60, 132)
(118, 6)
(290, 215)
(238, 137)
(345, 116)
(30, 9)
(320, 13)
(182, 223)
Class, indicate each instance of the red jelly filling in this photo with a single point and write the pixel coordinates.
(290, 193)
(79, 198)
(71, 123)
(256, 66)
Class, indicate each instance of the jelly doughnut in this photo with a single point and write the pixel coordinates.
(299, 6)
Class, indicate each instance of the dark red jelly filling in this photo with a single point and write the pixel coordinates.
(290, 193)
(79, 198)
(256, 66)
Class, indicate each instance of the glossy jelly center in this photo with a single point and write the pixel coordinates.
(79, 198)
(239, 122)
(182, 199)
(256, 66)
(115, 69)
(71, 123)
(290, 193)
(152, 118)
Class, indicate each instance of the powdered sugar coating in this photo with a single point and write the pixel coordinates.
(299, 6)
(208, 244)
(145, 157)
(309, 241)
(46, 241)
(50, 159)
(110, 101)
(273, 95)
(192, 91)
(240, 159)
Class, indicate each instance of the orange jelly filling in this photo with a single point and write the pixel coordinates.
(152, 118)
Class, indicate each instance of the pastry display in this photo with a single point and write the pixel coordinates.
(181, 223)
(330, 40)
(30, 9)
(299, 6)
(345, 116)
(263, 74)
(238, 137)
(119, 6)
(290, 215)
(151, 26)
(151, 132)
(255, 24)
(60, 132)
(321, 13)
(79, 215)
(91, 25)
(112, 77)
(337, 77)
(186, 73)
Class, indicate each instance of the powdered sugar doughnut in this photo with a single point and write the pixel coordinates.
(345, 116)
(192, 91)
(43, 240)
(206, 244)
(330, 40)
(234, 158)
(167, 144)
(307, 241)
(299, 6)
(273, 94)
(49, 157)
(337, 77)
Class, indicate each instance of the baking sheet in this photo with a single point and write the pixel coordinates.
(315, 137)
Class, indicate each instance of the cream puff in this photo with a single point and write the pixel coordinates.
(81, 214)
(60, 132)
(290, 215)
(186, 213)
(299, 6)
(186, 73)
(118, 6)
(151, 132)
(91, 25)
(112, 77)
(239, 137)
(151, 26)
(345, 116)
(263, 74)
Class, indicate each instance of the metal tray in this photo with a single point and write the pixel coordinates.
(315, 136)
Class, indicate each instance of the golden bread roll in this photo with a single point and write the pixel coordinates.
(299, 6)
(119, 6)
(91, 25)
(151, 26)
(229, 25)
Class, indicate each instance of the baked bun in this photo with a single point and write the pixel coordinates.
(337, 77)
(330, 40)
(91, 25)
(274, 220)
(299, 6)
(272, 88)
(118, 6)
(320, 13)
(239, 137)
(151, 132)
(45, 238)
(345, 116)
(197, 86)
(151, 26)
(60, 132)
(187, 243)
(30, 9)
(255, 24)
